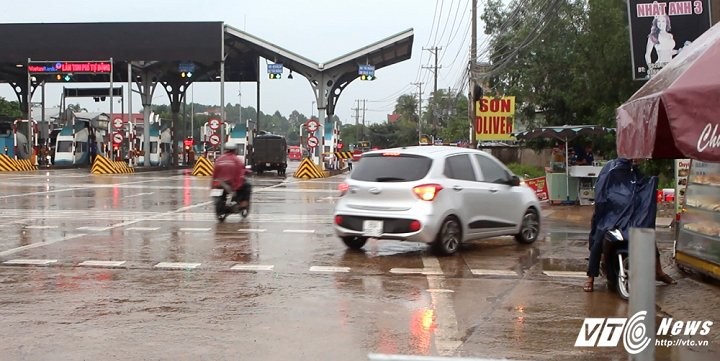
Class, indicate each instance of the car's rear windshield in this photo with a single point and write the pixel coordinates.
(391, 167)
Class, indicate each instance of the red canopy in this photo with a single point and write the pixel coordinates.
(676, 114)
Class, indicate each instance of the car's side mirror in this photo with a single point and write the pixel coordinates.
(515, 181)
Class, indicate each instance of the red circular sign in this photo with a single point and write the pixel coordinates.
(312, 125)
(340, 146)
(214, 139)
(312, 141)
(117, 138)
(117, 123)
(214, 124)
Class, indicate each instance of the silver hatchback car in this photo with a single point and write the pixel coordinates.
(434, 194)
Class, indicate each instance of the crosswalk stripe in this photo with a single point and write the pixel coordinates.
(41, 227)
(252, 267)
(142, 228)
(298, 231)
(177, 265)
(329, 269)
(493, 272)
(574, 274)
(194, 229)
(418, 271)
(33, 262)
(109, 264)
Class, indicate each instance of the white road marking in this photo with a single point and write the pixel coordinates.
(139, 194)
(109, 264)
(574, 274)
(142, 228)
(34, 262)
(252, 267)
(298, 231)
(329, 269)
(93, 229)
(417, 271)
(41, 227)
(439, 290)
(194, 229)
(388, 357)
(447, 337)
(177, 265)
(251, 230)
(494, 272)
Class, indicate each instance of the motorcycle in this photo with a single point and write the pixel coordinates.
(617, 262)
(224, 205)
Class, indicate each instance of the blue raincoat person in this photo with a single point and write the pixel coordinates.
(624, 198)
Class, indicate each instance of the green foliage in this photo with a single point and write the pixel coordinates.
(9, 108)
(526, 171)
(567, 62)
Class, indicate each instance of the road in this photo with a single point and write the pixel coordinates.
(135, 267)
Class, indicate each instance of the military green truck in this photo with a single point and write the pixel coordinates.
(269, 152)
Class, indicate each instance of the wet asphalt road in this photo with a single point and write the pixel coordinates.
(135, 267)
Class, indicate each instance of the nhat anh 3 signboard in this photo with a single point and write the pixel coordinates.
(661, 30)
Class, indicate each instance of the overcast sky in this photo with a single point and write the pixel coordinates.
(320, 30)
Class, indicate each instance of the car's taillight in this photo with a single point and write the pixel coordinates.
(338, 220)
(343, 188)
(427, 192)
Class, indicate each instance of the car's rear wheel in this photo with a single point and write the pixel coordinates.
(354, 242)
(449, 237)
(529, 228)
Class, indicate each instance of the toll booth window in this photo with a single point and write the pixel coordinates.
(164, 147)
(64, 146)
(153, 147)
(241, 150)
(81, 147)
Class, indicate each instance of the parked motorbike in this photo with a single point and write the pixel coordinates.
(617, 262)
(224, 205)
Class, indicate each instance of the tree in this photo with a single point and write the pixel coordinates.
(9, 108)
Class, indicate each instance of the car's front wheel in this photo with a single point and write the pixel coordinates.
(354, 242)
(449, 237)
(529, 228)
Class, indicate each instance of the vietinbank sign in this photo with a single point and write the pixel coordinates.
(660, 30)
(495, 118)
(607, 332)
(52, 67)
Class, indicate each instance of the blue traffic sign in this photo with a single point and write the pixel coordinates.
(365, 69)
(276, 68)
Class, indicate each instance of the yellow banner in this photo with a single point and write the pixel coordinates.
(495, 118)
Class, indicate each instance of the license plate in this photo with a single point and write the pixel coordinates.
(372, 228)
(215, 192)
(267, 164)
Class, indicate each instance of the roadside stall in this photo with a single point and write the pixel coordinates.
(674, 116)
(566, 181)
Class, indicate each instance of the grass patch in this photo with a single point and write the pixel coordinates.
(526, 171)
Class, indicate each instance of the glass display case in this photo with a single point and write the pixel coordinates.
(698, 240)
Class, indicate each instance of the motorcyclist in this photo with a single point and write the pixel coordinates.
(614, 209)
(231, 169)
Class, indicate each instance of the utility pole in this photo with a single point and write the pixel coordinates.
(471, 78)
(434, 69)
(364, 100)
(357, 119)
(419, 85)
